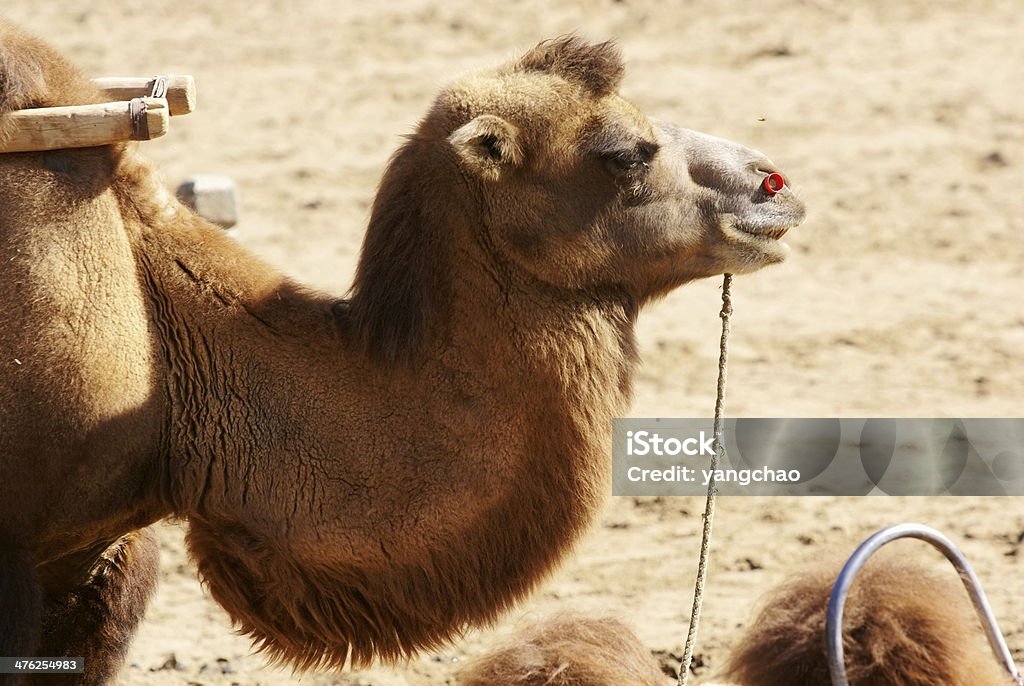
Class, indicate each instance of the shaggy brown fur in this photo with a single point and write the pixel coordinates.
(904, 625)
(361, 478)
(568, 650)
(96, 621)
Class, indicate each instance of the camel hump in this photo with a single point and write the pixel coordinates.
(32, 74)
(568, 649)
(905, 624)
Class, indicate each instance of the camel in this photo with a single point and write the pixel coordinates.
(570, 649)
(904, 625)
(362, 477)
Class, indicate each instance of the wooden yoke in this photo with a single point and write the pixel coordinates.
(181, 90)
(134, 116)
(85, 126)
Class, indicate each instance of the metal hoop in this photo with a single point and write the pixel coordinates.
(837, 601)
(159, 89)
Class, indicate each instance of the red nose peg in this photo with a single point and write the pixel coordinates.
(773, 183)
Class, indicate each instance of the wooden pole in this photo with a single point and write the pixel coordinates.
(181, 90)
(84, 126)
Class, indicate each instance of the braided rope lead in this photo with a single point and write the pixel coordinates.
(709, 505)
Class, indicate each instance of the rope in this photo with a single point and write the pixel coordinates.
(137, 109)
(137, 114)
(709, 505)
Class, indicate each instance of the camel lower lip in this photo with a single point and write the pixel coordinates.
(773, 233)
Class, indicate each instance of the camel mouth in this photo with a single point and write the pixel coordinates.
(772, 233)
(758, 240)
(771, 225)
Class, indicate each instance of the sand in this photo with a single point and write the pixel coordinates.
(900, 124)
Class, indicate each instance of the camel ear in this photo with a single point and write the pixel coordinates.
(487, 144)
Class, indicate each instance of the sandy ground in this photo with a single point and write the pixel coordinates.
(901, 125)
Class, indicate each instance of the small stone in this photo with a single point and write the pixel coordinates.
(994, 159)
(171, 662)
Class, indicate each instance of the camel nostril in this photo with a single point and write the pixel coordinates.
(773, 183)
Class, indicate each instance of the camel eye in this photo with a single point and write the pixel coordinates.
(625, 162)
(634, 161)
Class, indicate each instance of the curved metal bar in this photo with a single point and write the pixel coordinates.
(837, 601)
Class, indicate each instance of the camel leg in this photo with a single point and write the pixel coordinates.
(20, 608)
(97, 620)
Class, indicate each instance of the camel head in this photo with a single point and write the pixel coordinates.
(580, 189)
(541, 177)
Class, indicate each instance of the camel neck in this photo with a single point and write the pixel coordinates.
(460, 478)
(260, 368)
